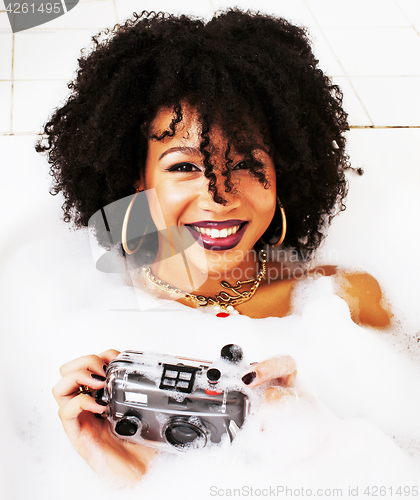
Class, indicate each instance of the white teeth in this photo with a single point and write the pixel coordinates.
(215, 233)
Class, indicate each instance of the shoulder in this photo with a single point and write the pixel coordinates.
(363, 294)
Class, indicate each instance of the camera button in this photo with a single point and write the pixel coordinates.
(213, 375)
(169, 382)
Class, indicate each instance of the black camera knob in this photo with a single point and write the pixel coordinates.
(128, 426)
(101, 397)
(213, 375)
(232, 353)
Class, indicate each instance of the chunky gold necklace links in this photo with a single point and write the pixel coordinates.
(223, 299)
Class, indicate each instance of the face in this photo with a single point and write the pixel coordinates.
(174, 169)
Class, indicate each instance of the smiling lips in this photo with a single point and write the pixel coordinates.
(222, 235)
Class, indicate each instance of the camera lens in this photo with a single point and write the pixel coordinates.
(213, 375)
(180, 433)
(127, 427)
(184, 434)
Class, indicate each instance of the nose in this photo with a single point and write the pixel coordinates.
(213, 196)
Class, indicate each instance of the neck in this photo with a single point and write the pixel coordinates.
(205, 279)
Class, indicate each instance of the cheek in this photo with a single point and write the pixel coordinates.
(266, 207)
(169, 204)
(262, 200)
(156, 209)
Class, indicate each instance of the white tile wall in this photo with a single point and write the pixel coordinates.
(33, 102)
(357, 13)
(393, 153)
(390, 101)
(352, 103)
(4, 22)
(328, 62)
(295, 11)
(411, 9)
(370, 47)
(5, 106)
(48, 55)
(6, 42)
(376, 51)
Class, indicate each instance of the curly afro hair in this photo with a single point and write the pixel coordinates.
(236, 66)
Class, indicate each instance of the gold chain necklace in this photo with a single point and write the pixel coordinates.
(223, 302)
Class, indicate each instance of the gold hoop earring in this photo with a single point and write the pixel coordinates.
(283, 226)
(124, 241)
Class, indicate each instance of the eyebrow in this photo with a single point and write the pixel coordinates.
(185, 150)
(196, 152)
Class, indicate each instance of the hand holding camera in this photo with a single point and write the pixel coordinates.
(118, 408)
(87, 430)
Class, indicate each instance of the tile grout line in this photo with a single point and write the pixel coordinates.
(405, 15)
(117, 18)
(325, 38)
(339, 62)
(384, 126)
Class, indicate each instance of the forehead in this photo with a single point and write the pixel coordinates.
(187, 132)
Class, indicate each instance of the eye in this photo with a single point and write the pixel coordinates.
(248, 164)
(242, 165)
(183, 167)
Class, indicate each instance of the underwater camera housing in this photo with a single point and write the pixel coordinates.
(175, 403)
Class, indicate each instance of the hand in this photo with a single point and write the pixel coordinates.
(279, 373)
(88, 432)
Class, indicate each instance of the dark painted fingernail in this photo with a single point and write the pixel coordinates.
(249, 377)
(97, 377)
(100, 402)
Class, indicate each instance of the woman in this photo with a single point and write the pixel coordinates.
(237, 140)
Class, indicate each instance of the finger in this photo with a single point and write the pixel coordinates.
(70, 383)
(70, 412)
(109, 355)
(91, 362)
(282, 370)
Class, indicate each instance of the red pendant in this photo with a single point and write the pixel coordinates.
(222, 314)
